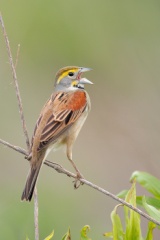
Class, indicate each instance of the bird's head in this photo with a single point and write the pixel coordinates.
(70, 78)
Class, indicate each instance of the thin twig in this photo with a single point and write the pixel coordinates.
(22, 117)
(60, 169)
(36, 213)
(16, 148)
(15, 82)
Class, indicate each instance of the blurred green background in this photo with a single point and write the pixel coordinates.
(120, 40)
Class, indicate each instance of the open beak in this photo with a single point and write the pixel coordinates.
(84, 80)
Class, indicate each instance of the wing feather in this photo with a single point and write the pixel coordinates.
(57, 116)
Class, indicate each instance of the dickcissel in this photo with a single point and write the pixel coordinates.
(59, 123)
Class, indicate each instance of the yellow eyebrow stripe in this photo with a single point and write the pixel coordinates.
(65, 73)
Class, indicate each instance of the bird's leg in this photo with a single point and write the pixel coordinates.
(77, 183)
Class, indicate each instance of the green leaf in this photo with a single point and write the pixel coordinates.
(131, 195)
(67, 236)
(149, 182)
(151, 226)
(152, 211)
(50, 236)
(117, 225)
(150, 200)
(84, 231)
(132, 219)
(27, 238)
(108, 234)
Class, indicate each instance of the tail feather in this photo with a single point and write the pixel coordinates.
(30, 183)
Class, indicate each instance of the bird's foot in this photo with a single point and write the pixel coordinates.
(77, 181)
(28, 157)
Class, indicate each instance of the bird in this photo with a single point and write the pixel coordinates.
(59, 123)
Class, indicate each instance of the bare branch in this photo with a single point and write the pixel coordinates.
(60, 169)
(22, 119)
(36, 214)
(16, 148)
(15, 82)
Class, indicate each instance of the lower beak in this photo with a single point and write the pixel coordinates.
(85, 81)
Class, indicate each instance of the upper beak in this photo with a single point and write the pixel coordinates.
(85, 80)
(83, 69)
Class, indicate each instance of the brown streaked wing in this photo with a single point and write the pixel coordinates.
(39, 119)
(67, 108)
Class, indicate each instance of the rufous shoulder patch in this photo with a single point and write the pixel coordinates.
(77, 101)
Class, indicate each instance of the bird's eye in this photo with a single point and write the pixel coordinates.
(70, 74)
